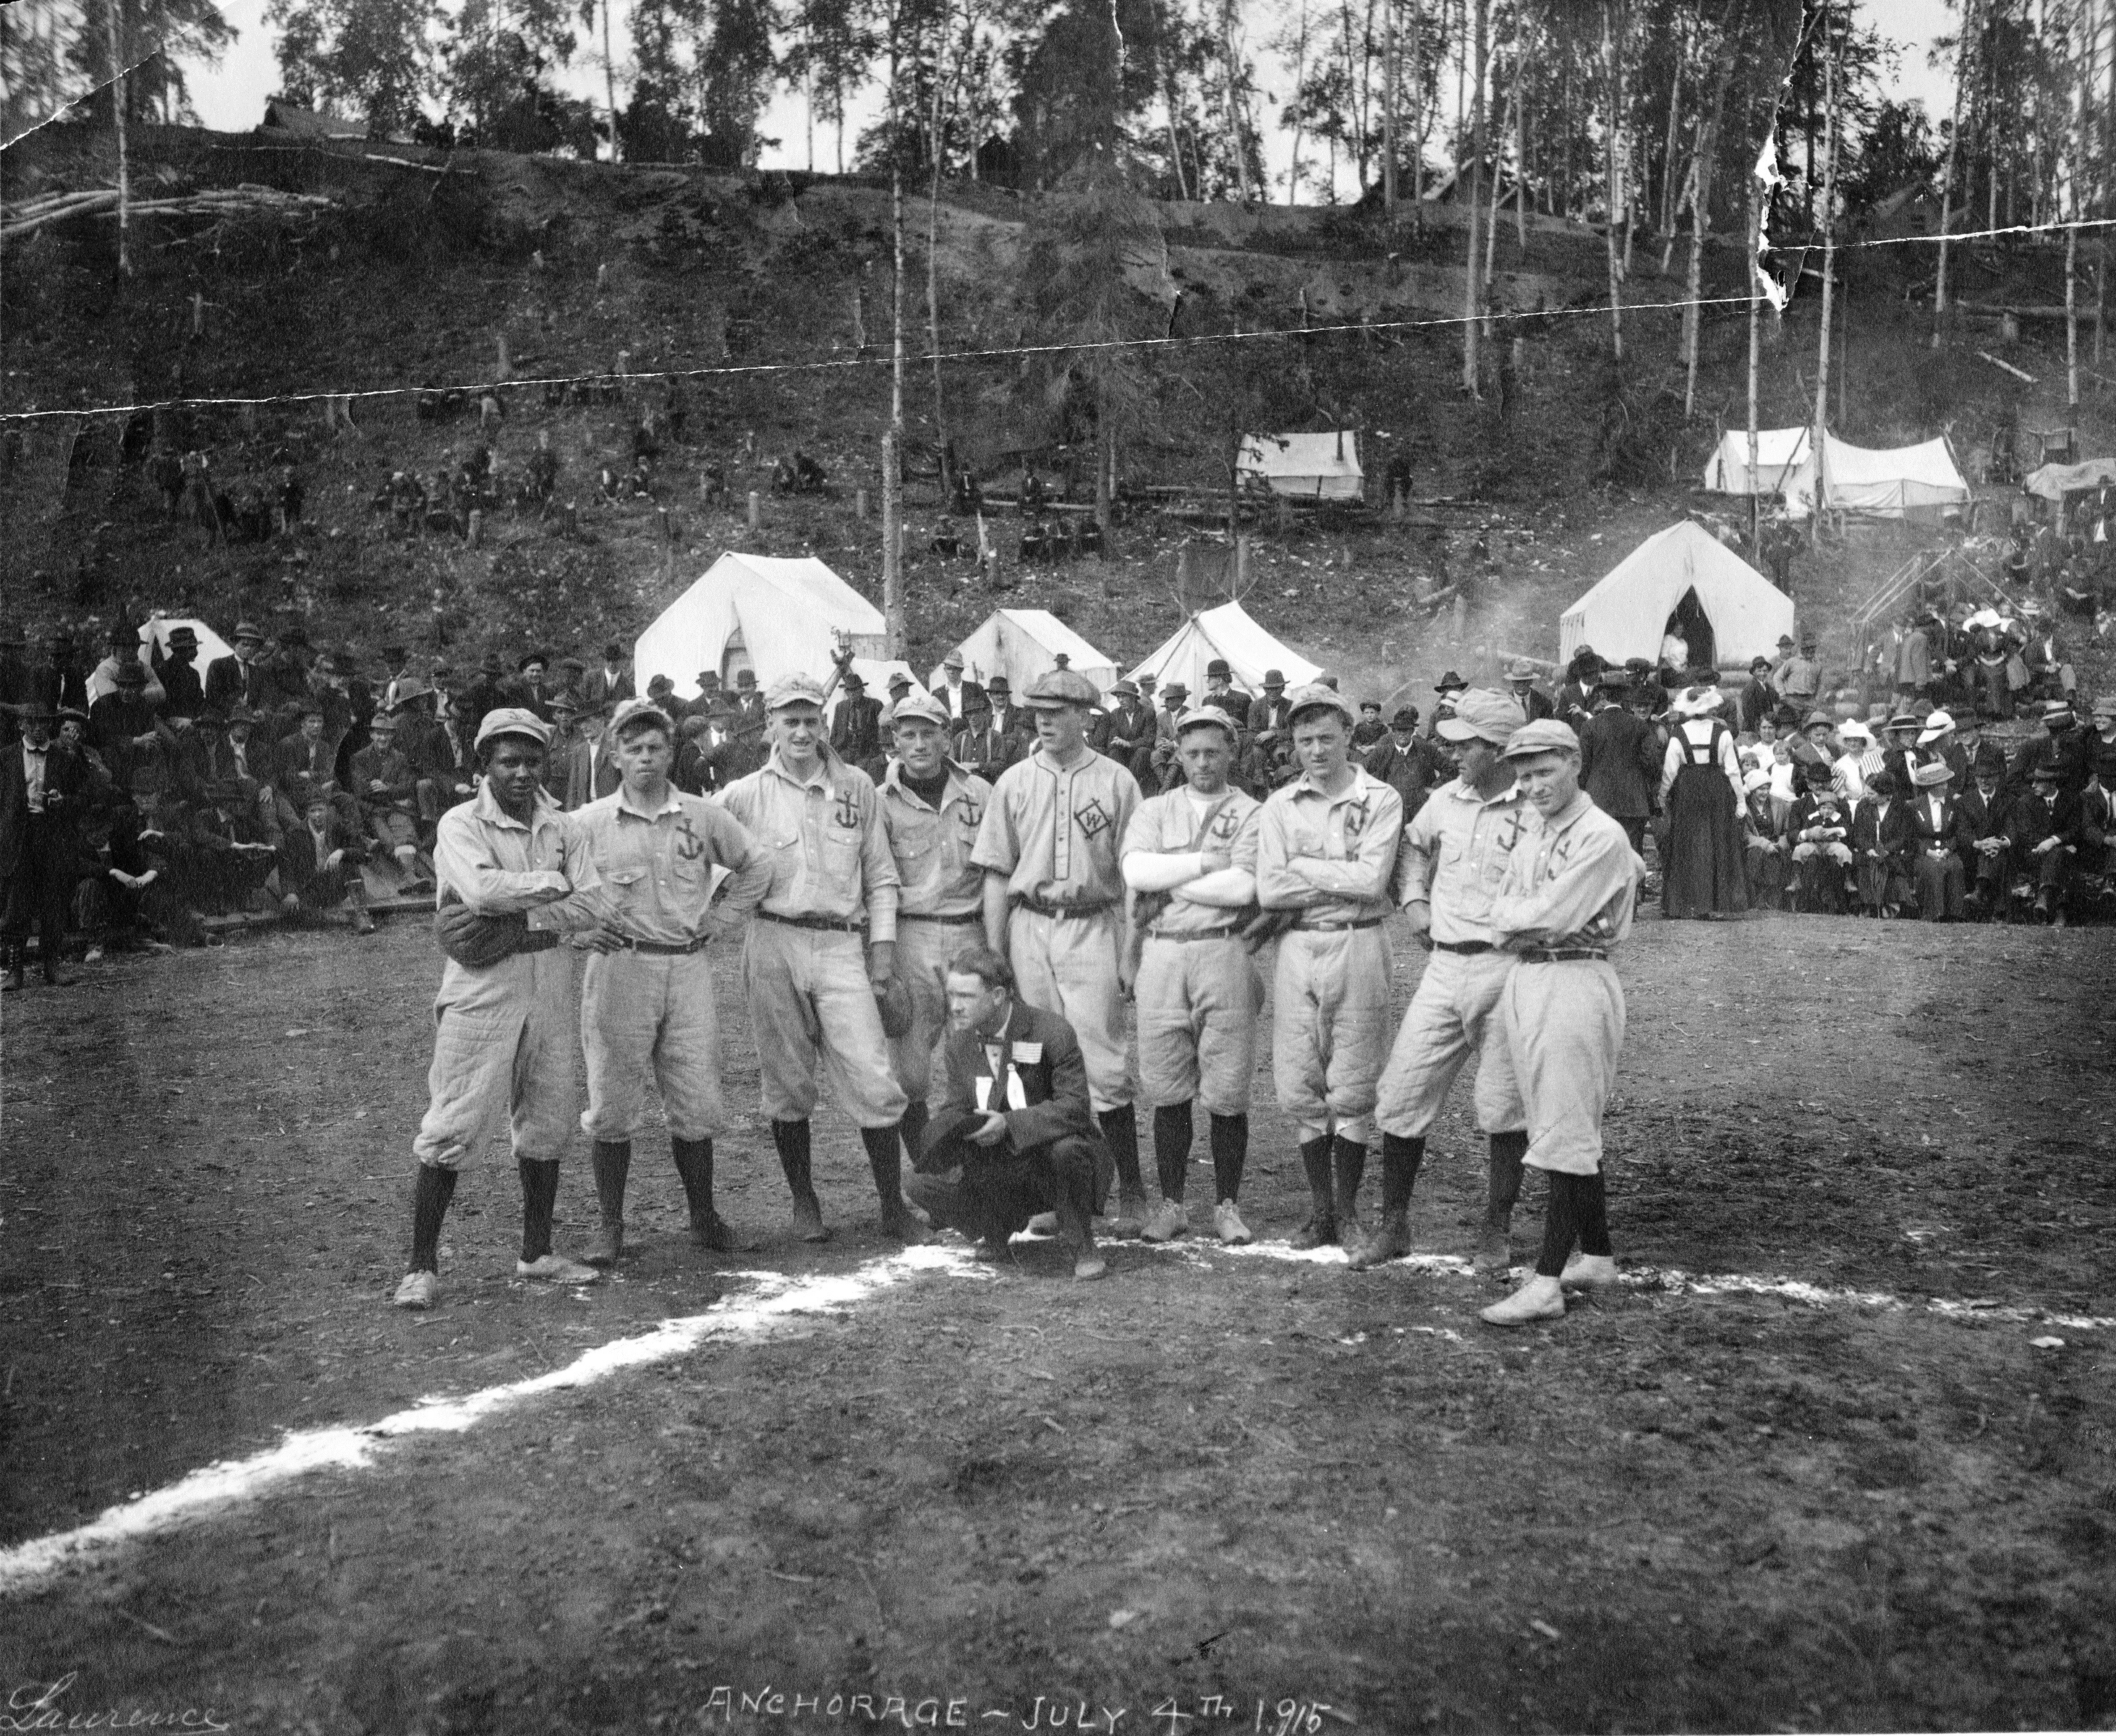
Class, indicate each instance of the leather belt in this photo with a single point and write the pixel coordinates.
(826, 925)
(1469, 947)
(1338, 928)
(663, 949)
(1228, 933)
(913, 916)
(1559, 955)
(1093, 908)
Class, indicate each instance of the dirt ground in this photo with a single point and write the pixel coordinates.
(1007, 1500)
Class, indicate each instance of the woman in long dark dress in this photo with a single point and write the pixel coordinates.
(1705, 874)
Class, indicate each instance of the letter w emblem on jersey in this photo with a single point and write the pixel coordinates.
(1092, 819)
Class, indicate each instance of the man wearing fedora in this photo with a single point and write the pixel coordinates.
(234, 680)
(42, 785)
(1270, 709)
(180, 677)
(1535, 704)
(388, 791)
(959, 697)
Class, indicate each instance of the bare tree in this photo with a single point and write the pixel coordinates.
(1612, 33)
(1471, 286)
(1818, 444)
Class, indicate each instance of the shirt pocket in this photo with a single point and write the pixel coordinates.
(841, 853)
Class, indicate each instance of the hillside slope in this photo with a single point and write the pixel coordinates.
(426, 267)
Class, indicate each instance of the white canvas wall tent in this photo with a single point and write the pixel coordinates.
(1310, 466)
(1022, 643)
(1781, 453)
(2054, 481)
(1230, 632)
(1885, 482)
(772, 613)
(1686, 577)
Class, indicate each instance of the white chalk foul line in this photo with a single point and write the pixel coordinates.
(1672, 1281)
(221, 1485)
(777, 1297)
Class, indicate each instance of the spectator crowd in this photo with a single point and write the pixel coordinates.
(148, 793)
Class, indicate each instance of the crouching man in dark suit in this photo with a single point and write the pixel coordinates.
(1016, 1135)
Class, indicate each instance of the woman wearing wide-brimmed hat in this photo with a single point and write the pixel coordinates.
(1703, 875)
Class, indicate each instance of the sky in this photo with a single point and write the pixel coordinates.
(230, 97)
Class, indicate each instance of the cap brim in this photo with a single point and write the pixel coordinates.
(1454, 730)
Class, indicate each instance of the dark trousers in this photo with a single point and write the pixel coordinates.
(41, 887)
(991, 1197)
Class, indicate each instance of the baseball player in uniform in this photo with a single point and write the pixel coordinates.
(1565, 902)
(1054, 901)
(506, 1033)
(1189, 857)
(1326, 853)
(1454, 856)
(822, 946)
(646, 1005)
(930, 810)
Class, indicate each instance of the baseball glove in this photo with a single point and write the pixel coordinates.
(478, 941)
(1265, 927)
(893, 1001)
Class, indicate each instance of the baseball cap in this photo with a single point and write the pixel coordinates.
(1062, 687)
(1545, 736)
(514, 720)
(1313, 696)
(793, 690)
(1481, 714)
(629, 711)
(912, 707)
(1204, 715)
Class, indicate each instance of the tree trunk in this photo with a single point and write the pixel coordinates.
(1388, 110)
(1300, 114)
(933, 281)
(1817, 441)
(1423, 115)
(1670, 200)
(1106, 460)
(118, 104)
(1232, 73)
(609, 80)
(892, 469)
(1520, 129)
(1702, 161)
(1470, 287)
(1612, 185)
(1947, 181)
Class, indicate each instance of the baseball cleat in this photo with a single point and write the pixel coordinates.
(1318, 1232)
(714, 1232)
(418, 1290)
(808, 1220)
(1589, 1272)
(1228, 1226)
(1166, 1221)
(1390, 1239)
(555, 1269)
(1539, 1299)
(605, 1245)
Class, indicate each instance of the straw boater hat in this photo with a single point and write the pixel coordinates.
(1932, 773)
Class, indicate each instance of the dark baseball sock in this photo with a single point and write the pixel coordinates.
(1120, 1129)
(539, 1198)
(1561, 1225)
(694, 1168)
(1502, 1184)
(1594, 1209)
(1349, 1158)
(1172, 1147)
(791, 1138)
(1315, 1162)
(430, 1194)
(1401, 1154)
(912, 1127)
(885, 1157)
(611, 1162)
(1231, 1155)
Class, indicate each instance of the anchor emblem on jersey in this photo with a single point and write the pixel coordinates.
(847, 815)
(688, 844)
(971, 813)
(1355, 823)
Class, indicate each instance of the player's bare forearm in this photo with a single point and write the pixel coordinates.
(995, 913)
